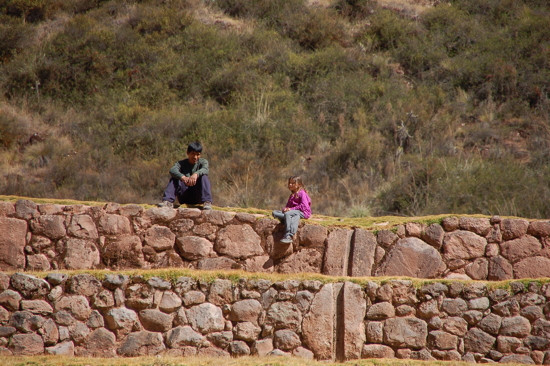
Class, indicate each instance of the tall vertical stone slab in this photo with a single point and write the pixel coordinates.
(354, 308)
(337, 252)
(363, 246)
(318, 324)
(12, 243)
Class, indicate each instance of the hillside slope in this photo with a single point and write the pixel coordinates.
(385, 107)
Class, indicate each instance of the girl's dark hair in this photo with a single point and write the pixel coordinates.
(298, 180)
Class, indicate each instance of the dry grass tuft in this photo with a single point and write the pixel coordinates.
(196, 361)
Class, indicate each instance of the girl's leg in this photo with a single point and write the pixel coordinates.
(292, 220)
(279, 215)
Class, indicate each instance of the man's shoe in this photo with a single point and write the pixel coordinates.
(165, 204)
(287, 239)
(207, 205)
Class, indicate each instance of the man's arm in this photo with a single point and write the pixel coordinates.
(175, 171)
(203, 170)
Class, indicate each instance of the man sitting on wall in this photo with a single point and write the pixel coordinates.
(189, 182)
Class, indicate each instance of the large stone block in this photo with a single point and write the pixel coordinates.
(442, 340)
(206, 318)
(534, 267)
(61, 349)
(262, 263)
(238, 241)
(220, 263)
(183, 336)
(318, 324)
(26, 344)
(246, 311)
(100, 343)
(76, 305)
(463, 245)
(12, 243)
(142, 344)
(121, 318)
(499, 269)
(312, 236)
(78, 254)
(304, 260)
(362, 253)
(377, 351)
(26, 210)
(6, 209)
(539, 228)
(354, 307)
(480, 226)
(405, 333)
(380, 311)
(155, 320)
(517, 249)
(413, 258)
(516, 326)
(160, 238)
(38, 262)
(84, 284)
(51, 226)
(194, 247)
(433, 235)
(513, 228)
(114, 225)
(248, 331)
(123, 252)
(477, 341)
(284, 314)
(337, 252)
(30, 286)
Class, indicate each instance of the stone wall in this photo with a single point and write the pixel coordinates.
(48, 236)
(118, 315)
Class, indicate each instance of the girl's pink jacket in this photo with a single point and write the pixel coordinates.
(300, 201)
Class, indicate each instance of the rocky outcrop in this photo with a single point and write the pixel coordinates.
(121, 316)
(49, 237)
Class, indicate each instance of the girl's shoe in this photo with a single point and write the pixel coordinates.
(286, 239)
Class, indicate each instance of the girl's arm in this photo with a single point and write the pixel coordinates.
(302, 203)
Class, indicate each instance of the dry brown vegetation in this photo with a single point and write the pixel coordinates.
(387, 108)
(193, 361)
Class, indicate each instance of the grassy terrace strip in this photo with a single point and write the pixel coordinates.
(202, 361)
(369, 223)
(172, 274)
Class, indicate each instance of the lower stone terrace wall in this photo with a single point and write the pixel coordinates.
(122, 316)
(48, 236)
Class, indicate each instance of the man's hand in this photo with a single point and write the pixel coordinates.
(190, 181)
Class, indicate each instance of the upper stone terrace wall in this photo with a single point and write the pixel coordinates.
(47, 236)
